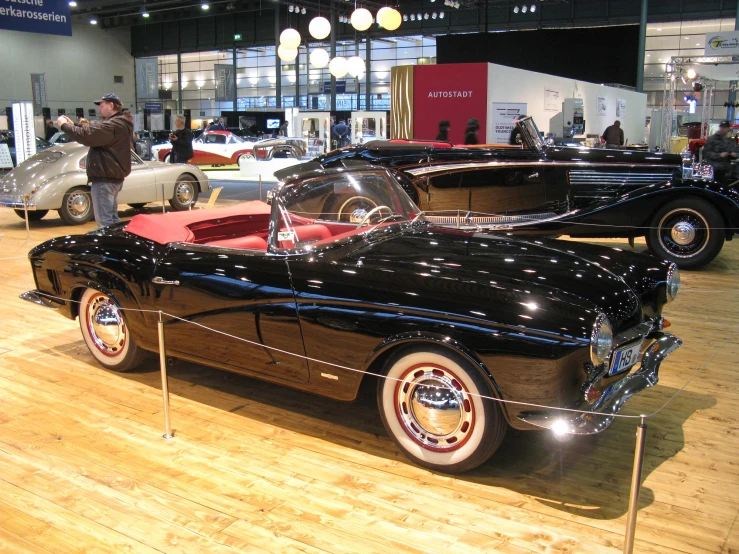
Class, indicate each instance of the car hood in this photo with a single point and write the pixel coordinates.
(612, 155)
(520, 281)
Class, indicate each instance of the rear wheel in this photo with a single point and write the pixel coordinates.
(185, 193)
(687, 231)
(244, 158)
(432, 408)
(106, 333)
(166, 159)
(76, 206)
(33, 215)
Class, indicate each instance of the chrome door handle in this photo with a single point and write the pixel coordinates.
(162, 281)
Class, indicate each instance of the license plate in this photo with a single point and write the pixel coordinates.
(625, 357)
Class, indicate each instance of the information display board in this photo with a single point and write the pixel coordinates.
(6, 162)
(24, 133)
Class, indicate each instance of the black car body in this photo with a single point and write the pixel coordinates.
(341, 277)
(536, 188)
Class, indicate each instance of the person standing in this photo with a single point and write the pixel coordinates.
(109, 157)
(342, 133)
(443, 131)
(719, 150)
(614, 135)
(283, 129)
(181, 141)
(470, 133)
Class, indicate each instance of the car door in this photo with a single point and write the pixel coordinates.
(244, 296)
(212, 150)
(502, 189)
(140, 186)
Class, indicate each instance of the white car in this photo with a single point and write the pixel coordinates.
(55, 179)
(211, 148)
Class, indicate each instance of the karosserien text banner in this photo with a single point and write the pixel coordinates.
(50, 17)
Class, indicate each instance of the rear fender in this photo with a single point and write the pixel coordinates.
(50, 195)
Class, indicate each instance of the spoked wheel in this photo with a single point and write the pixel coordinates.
(106, 333)
(185, 193)
(687, 231)
(432, 408)
(354, 209)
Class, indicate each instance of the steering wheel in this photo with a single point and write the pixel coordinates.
(370, 213)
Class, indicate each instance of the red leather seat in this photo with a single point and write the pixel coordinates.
(251, 242)
(307, 233)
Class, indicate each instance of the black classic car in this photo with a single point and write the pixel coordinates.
(536, 188)
(342, 277)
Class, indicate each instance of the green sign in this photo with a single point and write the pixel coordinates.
(237, 36)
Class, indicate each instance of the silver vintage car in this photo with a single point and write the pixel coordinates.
(55, 179)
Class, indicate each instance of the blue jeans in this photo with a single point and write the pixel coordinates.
(105, 201)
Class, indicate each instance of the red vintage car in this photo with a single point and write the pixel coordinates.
(211, 148)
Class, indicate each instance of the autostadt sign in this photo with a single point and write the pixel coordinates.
(50, 17)
(722, 44)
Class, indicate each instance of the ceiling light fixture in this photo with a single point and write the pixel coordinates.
(204, 6)
(93, 21)
(302, 11)
(73, 4)
(533, 8)
(515, 9)
(524, 9)
(144, 14)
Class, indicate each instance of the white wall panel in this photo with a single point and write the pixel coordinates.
(79, 69)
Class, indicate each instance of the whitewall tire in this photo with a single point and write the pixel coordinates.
(431, 406)
(106, 333)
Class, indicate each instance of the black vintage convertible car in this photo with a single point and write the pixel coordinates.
(539, 189)
(342, 277)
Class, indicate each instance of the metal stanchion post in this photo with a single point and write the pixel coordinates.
(164, 211)
(25, 213)
(641, 436)
(260, 186)
(163, 367)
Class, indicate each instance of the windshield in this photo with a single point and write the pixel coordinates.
(318, 209)
(533, 136)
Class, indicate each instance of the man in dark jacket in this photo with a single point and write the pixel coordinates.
(341, 129)
(181, 141)
(614, 135)
(719, 150)
(109, 158)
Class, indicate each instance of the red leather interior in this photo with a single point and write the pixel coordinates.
(305, 233)
(251, 242)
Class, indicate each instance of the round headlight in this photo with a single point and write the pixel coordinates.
(673, 282)
(601, 340)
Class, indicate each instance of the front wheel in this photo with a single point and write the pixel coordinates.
(33, 215)
(76, 206)
(185, 193)
(687, 231)
(106, 333)
(431, 406)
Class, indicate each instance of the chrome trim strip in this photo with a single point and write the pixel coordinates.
(614, 397)
(483, 219)
(424, 170)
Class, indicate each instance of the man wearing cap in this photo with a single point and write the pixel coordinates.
(109, 158)
(719, 150)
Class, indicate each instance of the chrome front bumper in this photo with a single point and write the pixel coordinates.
(36, 298)
(14, 201)
(600, 415)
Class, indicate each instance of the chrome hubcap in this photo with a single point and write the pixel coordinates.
(184, 193)
(435, 408)
(106, 326)
(78, 204)
(683, 233)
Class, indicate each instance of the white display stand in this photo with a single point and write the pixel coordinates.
(315, 127)
(367, 126)
(23, 131)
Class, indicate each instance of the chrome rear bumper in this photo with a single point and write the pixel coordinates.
(613, 398)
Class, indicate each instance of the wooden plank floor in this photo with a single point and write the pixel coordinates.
(260, 468)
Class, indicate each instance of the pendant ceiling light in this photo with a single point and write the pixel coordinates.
(319, 28)
(380, 14)
(290, 38)
(286, 54)
(361, 19)
(338, 67)
(319, 58)
(355, 66)
(391, 19)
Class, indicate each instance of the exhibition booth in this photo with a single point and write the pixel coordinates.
(495, 94)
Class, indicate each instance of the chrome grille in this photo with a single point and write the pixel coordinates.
(463, 219)
(587, 177)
